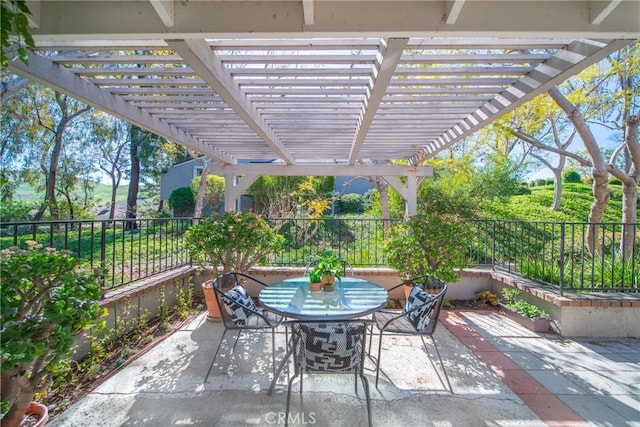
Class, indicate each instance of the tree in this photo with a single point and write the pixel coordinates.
(212, 187)
(110, 139)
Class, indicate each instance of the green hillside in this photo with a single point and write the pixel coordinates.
(101, 194)
(576, 203)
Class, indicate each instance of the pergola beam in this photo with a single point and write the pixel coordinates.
(49, 74)
(165, 10)
(199, 56)
(259, 169)
(389, 54)
(453, 11)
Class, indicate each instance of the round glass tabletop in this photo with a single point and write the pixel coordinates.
(351, 298)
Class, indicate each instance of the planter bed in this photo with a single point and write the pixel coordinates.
(539, 324)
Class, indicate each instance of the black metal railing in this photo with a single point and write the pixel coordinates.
(357, 240)
(127, 250)
(570, 257)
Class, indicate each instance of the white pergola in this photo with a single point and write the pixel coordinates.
(319, 87)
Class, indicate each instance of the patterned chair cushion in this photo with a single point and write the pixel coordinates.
(420, 317)
(239, 304)
(330, 347)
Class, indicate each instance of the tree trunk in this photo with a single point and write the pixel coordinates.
(134, 186)
(600, 174)
(557, 185)
(202, 188)
(17, 387)
(630, 188)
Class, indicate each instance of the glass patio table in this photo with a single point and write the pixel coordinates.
(351, 298)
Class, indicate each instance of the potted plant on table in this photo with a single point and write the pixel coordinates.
(48, 298)
(234, 241)
(315, 281)
(329, 266)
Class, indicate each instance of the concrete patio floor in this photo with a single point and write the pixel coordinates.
(501, 373)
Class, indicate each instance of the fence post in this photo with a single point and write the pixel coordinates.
(493, 244)
(103, 250)
(561, 259)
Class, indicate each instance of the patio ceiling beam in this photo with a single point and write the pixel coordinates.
(259, 169)
(307, 11)
(202, 59)
(566, 63)
(453, 11)
(49, 74)
(389, 54)
(165, 10)
(600, 13)
(204, 19)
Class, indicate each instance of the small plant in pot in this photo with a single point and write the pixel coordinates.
(234, 241)
(48, 298)
(315, 281)
(329, 266)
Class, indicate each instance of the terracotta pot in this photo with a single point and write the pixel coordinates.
(39, 410)
(210, 298)
(315, 287)
(328, 283)
(407, 291)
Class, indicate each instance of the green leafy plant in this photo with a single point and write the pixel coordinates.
(235, 241)
(314, 276)
(513, 301)
(487, 297)
(329, 263)
(48, 298)
(14, 31)
(429, 243)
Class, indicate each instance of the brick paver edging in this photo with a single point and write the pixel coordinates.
(541, 401)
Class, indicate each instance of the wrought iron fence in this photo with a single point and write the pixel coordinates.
(569, 257)
(128, 250)
(357, 240)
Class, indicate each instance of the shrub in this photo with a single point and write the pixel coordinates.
(47, 299)
(615, 181)
(571, 176)
(236, 241)
(433, 243)
(350, 204)
(550, 181)
(182, 201)
(513, 301)
(540, 182)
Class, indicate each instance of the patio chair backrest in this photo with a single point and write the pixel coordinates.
(329, 346)
(235, 305)
(425, 303)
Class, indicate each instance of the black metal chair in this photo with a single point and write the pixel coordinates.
(322, 347)
(239, 312)
(419, 316)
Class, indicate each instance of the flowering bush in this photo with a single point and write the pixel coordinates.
(48, 297)
(235, 241)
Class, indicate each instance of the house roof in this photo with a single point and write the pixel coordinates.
(346, 82)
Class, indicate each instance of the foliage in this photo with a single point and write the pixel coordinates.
(514, 302)
(16, 211)
(487, 297)
(234, 241)
(352, 203)
(329, 263)
(315, 276)
(182, 201)
(14, 31)
(48, 298)
(434, 243)
(571, 175)
(184, 301)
